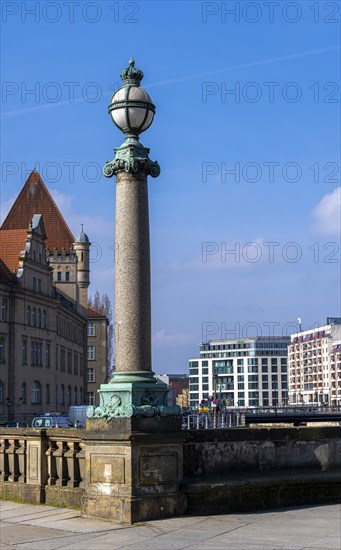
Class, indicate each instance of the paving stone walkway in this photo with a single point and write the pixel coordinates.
(35, 527)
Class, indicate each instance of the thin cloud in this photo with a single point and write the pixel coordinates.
(327, 214)
(298, 55)
(162, 339)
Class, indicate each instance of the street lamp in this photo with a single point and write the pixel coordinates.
(132, 111)
(131, 107)
(132, 390)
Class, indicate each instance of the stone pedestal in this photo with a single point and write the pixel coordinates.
(135, 469)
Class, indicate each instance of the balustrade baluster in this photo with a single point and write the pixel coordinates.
(72, 465)
(80, 457)
(61, 463)
(10, 459)
(21, 454)
(51, 463)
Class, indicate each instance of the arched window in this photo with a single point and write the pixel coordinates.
(36, 392)
(69, 396)
(28, 315)
(39, 318)
(75, 397)
(33, 317)
(62, 394)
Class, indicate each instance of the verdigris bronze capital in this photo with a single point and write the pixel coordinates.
(131, 157)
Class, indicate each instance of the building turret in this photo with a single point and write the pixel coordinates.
(82, 249)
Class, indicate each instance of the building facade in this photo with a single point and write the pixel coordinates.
(97, 354)
(43, 340)
(240, 373)
(315, 365)
(178, 386)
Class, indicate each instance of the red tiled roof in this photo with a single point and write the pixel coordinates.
(34, 198)
(91, 312)
(12, 242)
(5, 275)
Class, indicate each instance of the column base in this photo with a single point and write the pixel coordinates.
(133, 395)
(132, 476)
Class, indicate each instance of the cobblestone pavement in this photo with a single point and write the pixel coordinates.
(35, 527)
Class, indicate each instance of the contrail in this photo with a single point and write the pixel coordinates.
(246, 65)
(188, 77)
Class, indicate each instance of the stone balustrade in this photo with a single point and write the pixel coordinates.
(42, 465)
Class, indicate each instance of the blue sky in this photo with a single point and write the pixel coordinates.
(280, 130)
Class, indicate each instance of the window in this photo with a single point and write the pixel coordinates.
(69, 361)
(69, 395)
(57, 350)
(28, 315)
(4, 310)
(75, 363)
(33, 320)
(36, 353)
(67, 275)
(24, 352)
(90, 397)
(48, 354)
(39, 318)
(91, 375)
(91, 353)
(44, 318)
(23, 393)
(39, 285)
(62, 359)
(75, 396)
(47, 394)
(91, 328)
(56, 395)
(81, 395)
(205, 370)
(34, 284)
(59, 275)
(81, 364)
(2, 391)
(2, 350)
(62, 394)
(36, 392)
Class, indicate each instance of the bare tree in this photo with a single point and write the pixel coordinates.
(102, 304)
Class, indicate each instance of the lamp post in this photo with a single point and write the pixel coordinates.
(134, 440)
(132, 390)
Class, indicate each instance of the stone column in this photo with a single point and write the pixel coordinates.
(132, 274)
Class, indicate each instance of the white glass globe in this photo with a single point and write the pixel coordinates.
(132, 109)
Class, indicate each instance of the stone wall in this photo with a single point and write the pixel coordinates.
(221, 452)
(223, 471)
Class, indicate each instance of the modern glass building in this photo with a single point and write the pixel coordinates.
(248, 372)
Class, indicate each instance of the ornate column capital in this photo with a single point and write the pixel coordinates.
(131, 157)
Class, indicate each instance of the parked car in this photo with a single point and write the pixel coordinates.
(51, 421)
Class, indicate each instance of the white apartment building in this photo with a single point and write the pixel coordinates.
(314, 363)
(248, 372)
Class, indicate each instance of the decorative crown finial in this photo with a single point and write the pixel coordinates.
(132, 75)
